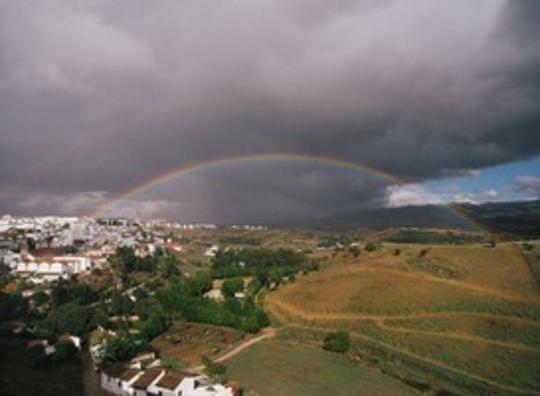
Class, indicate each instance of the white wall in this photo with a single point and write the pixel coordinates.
(110, 384)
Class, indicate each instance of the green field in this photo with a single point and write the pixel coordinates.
(277, 367)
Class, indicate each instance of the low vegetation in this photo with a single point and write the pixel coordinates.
(339, 341)
(277, 367)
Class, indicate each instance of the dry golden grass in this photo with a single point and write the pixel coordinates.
(351, 289)
(502, 267)
(480, 316)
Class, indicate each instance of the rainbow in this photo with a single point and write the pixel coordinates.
(106, 208)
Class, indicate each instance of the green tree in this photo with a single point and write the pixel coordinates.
(40, 298)
(154, 325)
(231, 286)
(168, 267)
(121, 304)
(71, 318)
(254, 286)
(370, 247)
(122, 347)
(64, 351)
(12, 306)
(340, 342)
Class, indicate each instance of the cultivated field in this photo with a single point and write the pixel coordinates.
(470, 312)
(185, 344)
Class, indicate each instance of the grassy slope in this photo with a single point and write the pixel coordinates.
(533, 260)
(489, 327)
(363, 295)
(275, 367)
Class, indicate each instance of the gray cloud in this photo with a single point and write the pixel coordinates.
(100, 95)
(529, 185)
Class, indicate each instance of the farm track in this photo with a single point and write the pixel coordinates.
(267, 333)
(380, 318)
(233, 352)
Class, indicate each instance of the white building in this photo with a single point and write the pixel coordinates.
(211, 251)
(118, 379)
(123, 380)
(49, 270)
(186, 384)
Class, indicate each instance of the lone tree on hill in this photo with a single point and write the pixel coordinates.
(340, 342)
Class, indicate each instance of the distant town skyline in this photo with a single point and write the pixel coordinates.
(97, 98)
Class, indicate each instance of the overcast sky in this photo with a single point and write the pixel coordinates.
(99, 96)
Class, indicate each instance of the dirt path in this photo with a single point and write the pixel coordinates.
(267, 333)
(274, 304)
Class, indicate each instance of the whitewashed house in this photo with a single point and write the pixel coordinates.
(118, 379)
(51, 269)
(186, 384)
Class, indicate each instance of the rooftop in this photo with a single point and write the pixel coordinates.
(147, 378)
(172, 379)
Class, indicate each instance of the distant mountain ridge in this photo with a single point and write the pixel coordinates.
(519, 218)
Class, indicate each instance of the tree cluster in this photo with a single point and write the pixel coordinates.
(185, 298)
(268, 265)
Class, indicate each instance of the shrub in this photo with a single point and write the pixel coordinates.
(354, 250)
(96, 271)
(213, 369)
(340, 342)
(370, 247)
(65, 350)
(232, 286)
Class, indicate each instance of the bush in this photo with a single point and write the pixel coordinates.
(12, 306)
(370, 247)
(354, 250)
(339, 341)
(214, 369)
(69, 318)
(232, 286)
(154, 325)
(122, 348)
(65, 350)
(96, 271)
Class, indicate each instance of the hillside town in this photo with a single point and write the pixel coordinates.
(67, 290)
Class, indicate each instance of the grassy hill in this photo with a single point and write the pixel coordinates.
(466, 318)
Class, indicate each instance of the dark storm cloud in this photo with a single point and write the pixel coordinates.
(96, 96)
